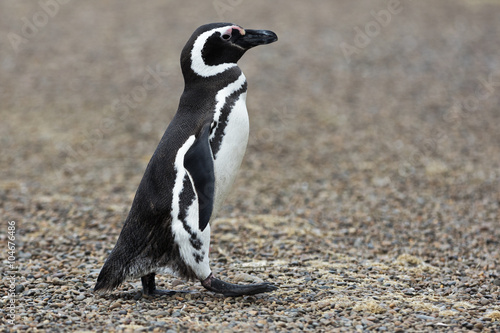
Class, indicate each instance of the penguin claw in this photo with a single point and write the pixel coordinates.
(232, 290)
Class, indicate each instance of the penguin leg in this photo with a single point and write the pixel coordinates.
(228, 289)
(149, 287)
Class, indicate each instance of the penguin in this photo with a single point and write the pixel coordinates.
(167, 230)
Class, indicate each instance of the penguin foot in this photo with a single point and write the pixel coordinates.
(149, 287)
(159, 292)
(228, 289)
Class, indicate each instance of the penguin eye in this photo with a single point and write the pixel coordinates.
(226, 36)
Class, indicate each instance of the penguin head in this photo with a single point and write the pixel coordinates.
(216, 47)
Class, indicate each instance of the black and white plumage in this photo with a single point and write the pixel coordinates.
(190, 173)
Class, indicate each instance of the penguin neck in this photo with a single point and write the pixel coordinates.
(218, 81)
(199, 92)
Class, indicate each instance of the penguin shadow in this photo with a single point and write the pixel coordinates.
(137, 294)
(127, 295)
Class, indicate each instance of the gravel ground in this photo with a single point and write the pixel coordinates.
(369, 192)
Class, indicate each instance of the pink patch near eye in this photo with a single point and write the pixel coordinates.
(240, 29)
(230, 30)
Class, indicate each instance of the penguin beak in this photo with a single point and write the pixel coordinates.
(253, 38)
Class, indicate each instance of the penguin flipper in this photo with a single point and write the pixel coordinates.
(198, 161)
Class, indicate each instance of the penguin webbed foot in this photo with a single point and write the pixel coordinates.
(159, 292)
(232, 290)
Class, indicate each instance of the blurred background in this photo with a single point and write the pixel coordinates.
(360, 112)
(375, 121)
(357, 101)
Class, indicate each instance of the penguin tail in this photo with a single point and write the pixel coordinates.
(110, 277)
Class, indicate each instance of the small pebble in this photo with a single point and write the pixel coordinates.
(424, 317)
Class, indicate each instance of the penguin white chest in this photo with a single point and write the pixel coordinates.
(232, 149)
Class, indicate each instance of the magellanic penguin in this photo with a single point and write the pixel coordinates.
(189, 175)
